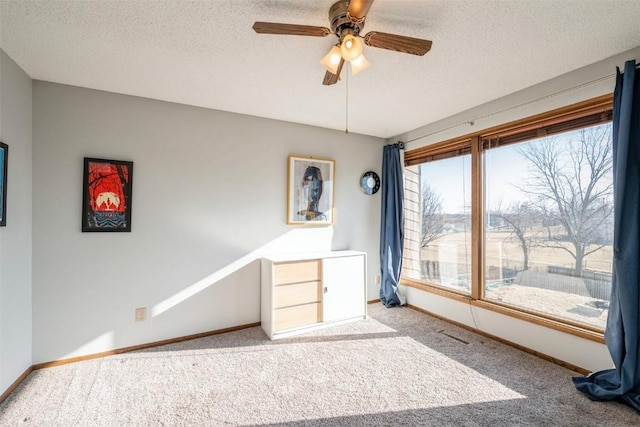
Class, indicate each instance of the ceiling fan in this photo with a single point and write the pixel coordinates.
(347, 19)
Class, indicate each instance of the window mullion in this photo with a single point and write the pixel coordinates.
(477, 266)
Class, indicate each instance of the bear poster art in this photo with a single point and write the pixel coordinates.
(106, 199)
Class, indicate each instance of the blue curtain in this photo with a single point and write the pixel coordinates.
(391, 225)
(621, 335)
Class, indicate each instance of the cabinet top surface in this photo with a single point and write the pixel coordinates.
(310, 255)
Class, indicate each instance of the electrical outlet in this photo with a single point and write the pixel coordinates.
(141, 314)
(377, 280)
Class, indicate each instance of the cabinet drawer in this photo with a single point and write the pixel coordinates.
(296, 294)
(299, 315)
(295, 272)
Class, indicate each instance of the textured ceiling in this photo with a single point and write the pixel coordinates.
(204, 53)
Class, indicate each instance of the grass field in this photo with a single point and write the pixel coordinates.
(503, 250)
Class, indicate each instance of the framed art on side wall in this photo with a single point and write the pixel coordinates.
(106, 195)
(4, 161)
(310, 191)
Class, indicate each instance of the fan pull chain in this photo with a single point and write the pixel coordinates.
(346, 119)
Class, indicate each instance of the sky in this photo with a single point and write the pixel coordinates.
(505, 171)
(451, 179)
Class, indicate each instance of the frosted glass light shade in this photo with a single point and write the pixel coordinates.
(332, 60)
(351, 47)
(359, 64)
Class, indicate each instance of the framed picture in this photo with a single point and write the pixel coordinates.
(106, 195)
(310, 191)
(4, 161)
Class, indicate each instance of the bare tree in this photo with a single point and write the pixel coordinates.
(521, 218)
(571, 185)
(433, 225)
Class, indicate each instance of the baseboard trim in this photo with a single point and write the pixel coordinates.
(60, 362)
(15, 384)
(373, 301)
(543, 356)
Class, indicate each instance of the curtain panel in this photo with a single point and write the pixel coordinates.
(621, 334)
(391, 226)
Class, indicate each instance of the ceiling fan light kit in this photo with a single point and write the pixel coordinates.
(350, 50)
(351, 47)
(331, 61)
(347, 19)
(359, 64)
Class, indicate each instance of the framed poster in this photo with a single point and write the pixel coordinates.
(4, 161)
(106, 195)
(310, 191)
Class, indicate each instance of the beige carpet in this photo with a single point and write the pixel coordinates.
(397, 368)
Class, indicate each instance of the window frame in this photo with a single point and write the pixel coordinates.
(575, 116)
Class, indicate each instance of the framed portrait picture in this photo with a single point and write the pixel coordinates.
(106, 195)
(4, 161)
(310, 191)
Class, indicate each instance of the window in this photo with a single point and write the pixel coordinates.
(442, 222)
(541, 212)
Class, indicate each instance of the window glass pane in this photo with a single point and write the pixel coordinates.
(438, 223)
(549, 225)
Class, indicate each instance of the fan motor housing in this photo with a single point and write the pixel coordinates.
(340, 19)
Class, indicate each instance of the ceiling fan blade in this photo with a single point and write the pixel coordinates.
(359, 8)
(290, 29)
(398, 43)
(330, 78)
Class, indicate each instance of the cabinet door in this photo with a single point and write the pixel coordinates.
(343, 281)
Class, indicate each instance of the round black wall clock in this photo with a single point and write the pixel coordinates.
(370, 182)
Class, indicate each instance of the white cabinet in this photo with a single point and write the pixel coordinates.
(306, 291)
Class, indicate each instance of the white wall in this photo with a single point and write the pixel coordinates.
(589, 82)
(15, 238)
(209, 197)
